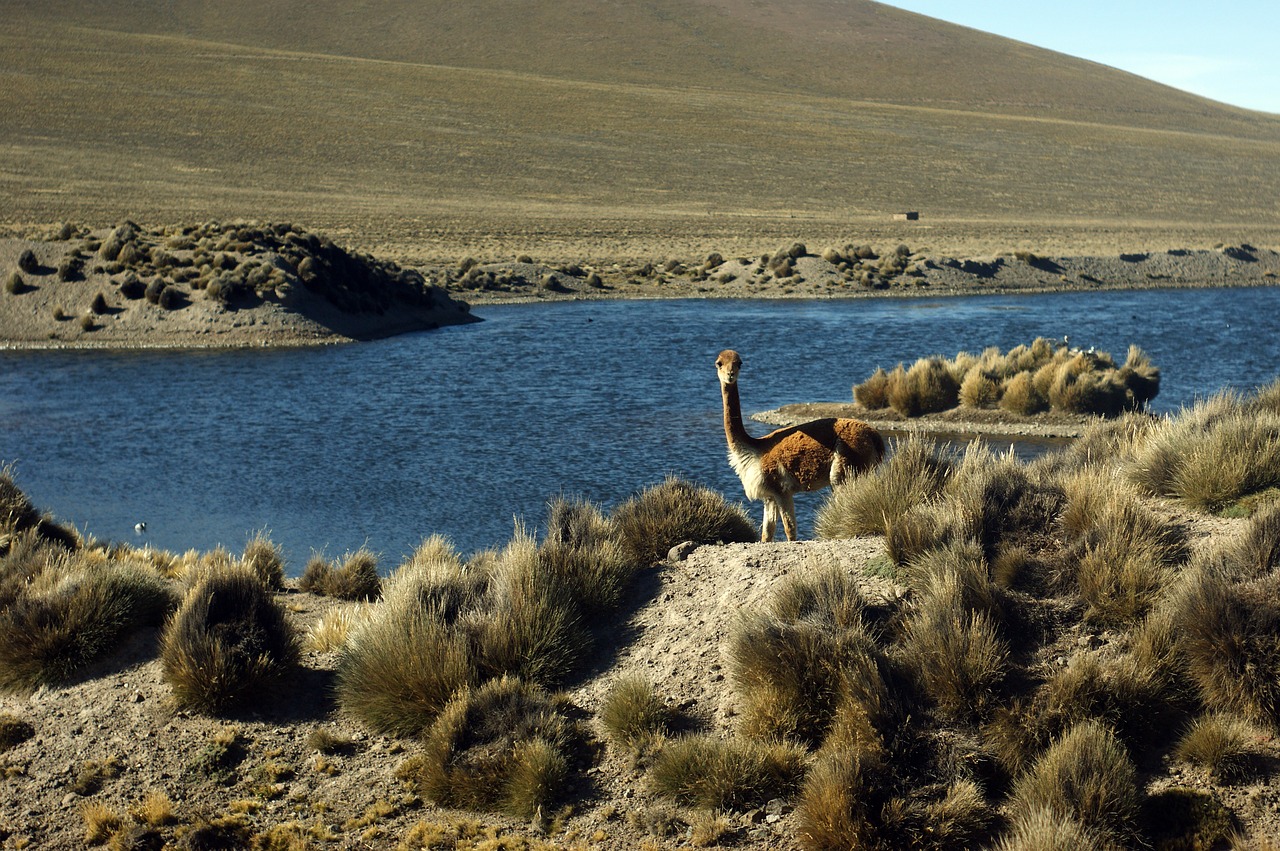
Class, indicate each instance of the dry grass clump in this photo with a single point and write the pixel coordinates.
(61, 611)
(865, 505)
(1229, 636)
(1026, 380)
(796, 663)
(951, 640)
(13, 731)
(1085, 776)
(633, 713)
(227, 641)
(355, 579)
(523, 612)
(652, 522)
(726, 773)
(849, 801)
(1121, 554)
(265, 559)
(1211, 455)
(503, 746)
(1222, 744)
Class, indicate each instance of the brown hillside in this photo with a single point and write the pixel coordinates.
(423, 129)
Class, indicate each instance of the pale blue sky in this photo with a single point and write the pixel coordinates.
(1228, 50)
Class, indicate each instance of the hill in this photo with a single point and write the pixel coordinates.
(430, 130)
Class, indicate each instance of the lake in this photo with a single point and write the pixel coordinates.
(467, 430)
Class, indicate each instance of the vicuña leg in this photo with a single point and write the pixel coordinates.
(788, 506)
(770, 524)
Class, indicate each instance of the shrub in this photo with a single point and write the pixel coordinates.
(14, 285)
(229, 640)
(154, 289)
(74, 615)
(99, 304)
(726, 774)
(27, 261)
(503, 746)
(265, 560)
(315, 576)
(664, 515)
(1086, 776)
(633, 713)
(87, 322)
(865, 505)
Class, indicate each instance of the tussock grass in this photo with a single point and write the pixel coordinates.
(652, 522)
(1229, 636)
(334, 627)
(726, 773)
(583, 552)
(227, 641)
(633, 713)
(357, 578)
(400, 668)
(850, 802)
(1020, 396)
(1137, 701)
(533, 627)
(264, 558)
(1211, 455)
(956, 655)
(914, 475)
(504, 746)
(13, 731)
(1257, 552)
(1026, 380)
(806, 655)
(1043, 829)
(1086, 776)
(73, 611)
(1224, 745)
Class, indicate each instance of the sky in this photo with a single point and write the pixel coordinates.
(1228, 50)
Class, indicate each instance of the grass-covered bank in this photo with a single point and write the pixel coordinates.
(982, 653)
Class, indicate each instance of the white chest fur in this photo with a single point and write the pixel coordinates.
(747, 465)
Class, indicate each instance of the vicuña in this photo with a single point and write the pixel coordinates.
(805, 457)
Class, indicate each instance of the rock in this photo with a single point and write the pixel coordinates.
(681, 551)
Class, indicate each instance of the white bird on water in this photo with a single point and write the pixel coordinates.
(139, 527)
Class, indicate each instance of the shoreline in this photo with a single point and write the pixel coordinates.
(294, 289)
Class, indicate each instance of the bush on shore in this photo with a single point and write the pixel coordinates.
(1024, 380)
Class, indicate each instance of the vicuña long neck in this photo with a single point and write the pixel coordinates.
(734, 431)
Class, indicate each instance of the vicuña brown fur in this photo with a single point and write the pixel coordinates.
(805, 457)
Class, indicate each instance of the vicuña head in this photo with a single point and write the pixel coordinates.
(805, 457)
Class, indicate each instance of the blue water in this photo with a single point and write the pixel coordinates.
(466, 430)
